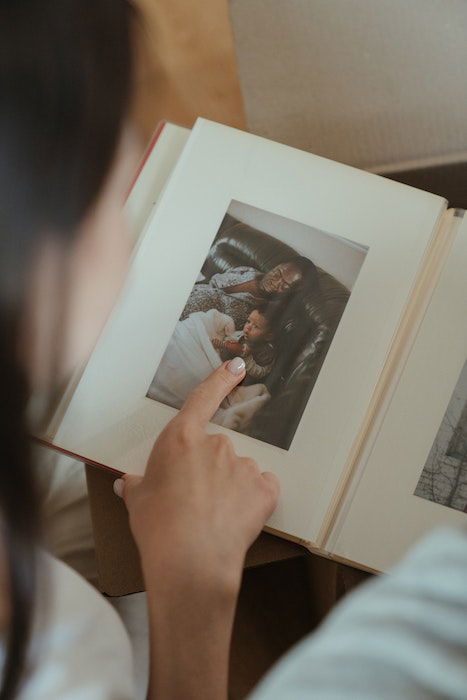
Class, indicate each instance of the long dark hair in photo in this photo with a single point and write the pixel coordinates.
(65, 82)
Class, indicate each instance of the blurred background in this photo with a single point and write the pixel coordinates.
(187, 64)
(379, 85)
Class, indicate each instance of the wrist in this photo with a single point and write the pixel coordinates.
(191, 620)
(172, 573)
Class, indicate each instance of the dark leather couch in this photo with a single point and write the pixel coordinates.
(307, 326)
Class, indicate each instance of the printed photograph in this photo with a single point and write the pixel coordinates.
(444, 476)
(271, 291)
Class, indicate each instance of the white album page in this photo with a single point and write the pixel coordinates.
(415, 477)
(233, 259)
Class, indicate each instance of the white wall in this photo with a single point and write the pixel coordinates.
(365, 82)
(342, 259)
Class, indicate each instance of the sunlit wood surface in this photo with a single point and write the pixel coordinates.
(186, 65)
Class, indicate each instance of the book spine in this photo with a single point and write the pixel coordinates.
(154, 138)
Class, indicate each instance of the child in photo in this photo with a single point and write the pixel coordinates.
(191, 356)
(254, 342)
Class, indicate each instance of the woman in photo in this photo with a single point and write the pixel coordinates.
(238, 290)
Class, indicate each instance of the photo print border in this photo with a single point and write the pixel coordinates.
(249, 244)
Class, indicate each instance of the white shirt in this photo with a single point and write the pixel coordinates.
(80, 649)
(403, 636)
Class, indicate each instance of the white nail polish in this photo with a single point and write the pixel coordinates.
(236, 366)
(118, 487)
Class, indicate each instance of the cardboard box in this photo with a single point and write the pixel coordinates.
(118, 564)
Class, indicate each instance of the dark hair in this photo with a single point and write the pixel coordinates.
(272, 311)
(306, 267)
(65, 80)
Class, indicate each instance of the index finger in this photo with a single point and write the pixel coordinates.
(204, 401)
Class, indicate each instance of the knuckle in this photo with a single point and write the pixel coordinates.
(182, 432)
(271, 492)
(185, 435)
(225, 379)
(167, 435)
(250, 466)
(222, 443)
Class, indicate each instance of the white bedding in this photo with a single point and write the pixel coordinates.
(190, 357)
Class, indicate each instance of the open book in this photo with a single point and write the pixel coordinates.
(345, 293)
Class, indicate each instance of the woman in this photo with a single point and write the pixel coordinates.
(65, 159)
(66, 156)
(237, 291)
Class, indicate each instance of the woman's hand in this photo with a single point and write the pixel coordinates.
(193, 515)
(199, 506)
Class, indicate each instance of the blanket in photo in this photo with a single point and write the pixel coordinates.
(190, 357)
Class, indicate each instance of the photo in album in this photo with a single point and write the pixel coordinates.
(444, 476)
(271, 291)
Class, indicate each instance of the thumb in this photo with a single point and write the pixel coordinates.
(124, 486)
(204, 401)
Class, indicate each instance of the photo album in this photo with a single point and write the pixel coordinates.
(344, 292)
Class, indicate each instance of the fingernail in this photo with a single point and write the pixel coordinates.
(236, 366)
(118, 487)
